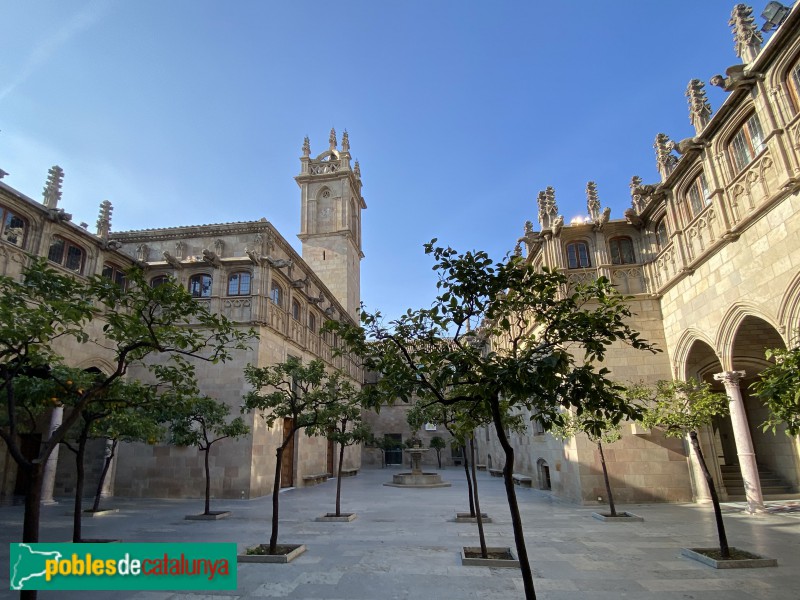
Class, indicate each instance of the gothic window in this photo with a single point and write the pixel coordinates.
(66, 254)
(200, 285)
(296, 310)
(697, 196)
(239, 284)
(12, 227)
(159, 280)
(312, 322)
(747, 143)
(115, 273)
(578, 255)
(276, 294)
(662, 235)
(621, 249)
(794, 85)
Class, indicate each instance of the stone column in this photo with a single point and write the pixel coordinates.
(49, 477)
(744, 443)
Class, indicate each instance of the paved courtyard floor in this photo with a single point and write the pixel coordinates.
(405, 545)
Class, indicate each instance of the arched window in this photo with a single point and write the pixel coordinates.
(115, 273)
(662, 235)
(159, 280)
(239, 284)
(697, 196)
(312, 322)
(200, 285)
(621, 249)
(66, 254)
(276, 294)
(746, 143)
(578, 255)
(12, 227)
(793, 81)
(296, 310)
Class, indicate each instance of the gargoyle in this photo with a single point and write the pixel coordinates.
(687, 144)
(299, 283)
(557, 225)
(317, 300)
(329, 312)
(736, 78)
(633, 218)
(253, 256)
(278, 263)
(58, 215)
(604, 216)
(211, 258)
(172, 260)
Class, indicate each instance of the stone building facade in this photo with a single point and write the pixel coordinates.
(245, 271)
(710, 256)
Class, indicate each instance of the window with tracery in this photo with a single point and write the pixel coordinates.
(621, 249)
(276, 294)
(662, 235)
(697, 196)
(12, 227)
(793, 81)
(296, 310)
(578, 255)
(746, 143)
(312, 322)
(159, 280)
(115, 273)
(67, 254)
(200, 285)
(239, 284)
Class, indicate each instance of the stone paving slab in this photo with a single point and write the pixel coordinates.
(405, 545)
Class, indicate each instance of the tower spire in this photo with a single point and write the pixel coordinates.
(332, 139)
(104, 220)
(699, 108)
(52, 189)
(747, 39)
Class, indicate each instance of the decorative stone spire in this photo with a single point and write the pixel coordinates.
(747, 39)
(548, 209)
(592, 202)
(357, 170)
(665, 160)
(637, 203)
(699, 108)
(345, 142)
(306, 147)
(104, 220)
(332, 139)
(52, 190)
(2, 173)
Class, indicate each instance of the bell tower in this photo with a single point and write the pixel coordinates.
(330, 219)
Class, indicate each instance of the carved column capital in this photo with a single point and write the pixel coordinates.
(730, 378)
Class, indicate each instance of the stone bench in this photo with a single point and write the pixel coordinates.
(310, 480)
(349, 472)
(480, 467)
(496, 472)
(523, 480)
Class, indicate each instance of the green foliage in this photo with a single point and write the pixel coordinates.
(679, 407)
(778, 387)
(202, 421)
(438, 443)
(605, 431)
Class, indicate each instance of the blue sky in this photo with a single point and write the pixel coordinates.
(191, 111)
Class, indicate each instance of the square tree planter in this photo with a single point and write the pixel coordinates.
(287, 553)
(332, 518)
(214, 515)
(464, 517)
(498, 557)
(747, 560)
(622, 517)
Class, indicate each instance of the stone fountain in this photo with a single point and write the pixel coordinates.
(416, 478)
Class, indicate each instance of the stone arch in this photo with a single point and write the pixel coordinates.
(730, 324)
(328, 155)
(101, 364)
(789, 312)
(543, 471)
(684, 348)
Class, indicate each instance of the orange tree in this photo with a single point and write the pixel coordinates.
(538, 346)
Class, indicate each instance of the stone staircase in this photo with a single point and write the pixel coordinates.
(772, 486)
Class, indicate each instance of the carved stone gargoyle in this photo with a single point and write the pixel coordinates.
(58, 215)
(318, 300)
(172, 260)
(688, 144)
(278, 263)
(253, 256)
(633, 218)
(736, 78)
(211, 258)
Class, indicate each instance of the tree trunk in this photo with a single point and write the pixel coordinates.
(439, 457)
(469, 484)
(80, 472)
(478, 516)
(339, 482)
(723, 539)
(208, 480)
(106, 467)
(605, 476)
(276, 489)
(511, 494)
